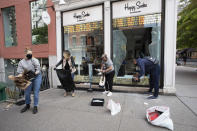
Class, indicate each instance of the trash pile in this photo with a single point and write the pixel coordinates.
(160, 116)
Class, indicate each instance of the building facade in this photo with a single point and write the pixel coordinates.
(17, 32)
(124, 30)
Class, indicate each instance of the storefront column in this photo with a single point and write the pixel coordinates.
(2, 70)
(53, 60)
(53, 79)
(107, 28)
(170, 45)
(58, 36)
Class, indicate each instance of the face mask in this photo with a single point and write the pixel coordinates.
(29, 56)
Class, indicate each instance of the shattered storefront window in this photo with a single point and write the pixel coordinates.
(134, 37)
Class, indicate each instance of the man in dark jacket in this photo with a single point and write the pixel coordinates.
(148, 66)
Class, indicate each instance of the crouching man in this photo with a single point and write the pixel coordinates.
(108, 69)
(148, 66)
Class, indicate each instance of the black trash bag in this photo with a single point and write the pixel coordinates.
(66, 79)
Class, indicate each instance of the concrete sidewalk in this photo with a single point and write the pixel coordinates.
(58, 113)
(186, 86)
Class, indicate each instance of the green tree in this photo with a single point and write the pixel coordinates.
(41, 34)
(187, 25)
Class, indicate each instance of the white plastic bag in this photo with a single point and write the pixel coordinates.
(163, 119)
(113, 107)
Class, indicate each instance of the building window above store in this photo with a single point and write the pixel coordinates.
(39, 28)
(74, 41)
(83, 40)
(9, 23)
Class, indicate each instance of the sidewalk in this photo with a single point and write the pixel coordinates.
(186, 86)
(58, 113)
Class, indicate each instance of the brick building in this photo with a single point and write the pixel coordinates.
(16, 21)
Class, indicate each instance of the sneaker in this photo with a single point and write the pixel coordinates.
(73, 94)
(35, 110)
(152, 97)
(65, 94)
(109, 94)
(25, 108)
(105, 92)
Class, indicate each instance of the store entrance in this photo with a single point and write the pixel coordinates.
(137, 45)
(130, 43)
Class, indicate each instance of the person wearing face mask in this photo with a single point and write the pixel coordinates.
(68, 72)
(31, 64)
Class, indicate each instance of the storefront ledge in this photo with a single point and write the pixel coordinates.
(126, 89)
(117, 80)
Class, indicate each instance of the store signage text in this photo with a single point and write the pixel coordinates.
(135, 8)
(82, 16)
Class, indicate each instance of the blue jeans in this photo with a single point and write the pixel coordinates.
(36, 83)
(154, 80)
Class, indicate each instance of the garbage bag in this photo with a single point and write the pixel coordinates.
(65, 79)
(114, 107)
(160, 116)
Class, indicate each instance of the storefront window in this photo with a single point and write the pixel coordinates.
(39, 28)
(9, 23)
(135, 35)
(84, 38)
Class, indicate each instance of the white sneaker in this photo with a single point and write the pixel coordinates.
(105, 92)
(109, 94)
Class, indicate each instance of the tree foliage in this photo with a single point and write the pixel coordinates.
(41, 34)
(187, 25)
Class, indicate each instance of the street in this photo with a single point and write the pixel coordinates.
(58, 113)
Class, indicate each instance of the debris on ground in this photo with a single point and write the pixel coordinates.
(145, 103)
(8, 106)
(97, 102)
(114, 107)
(160, 116)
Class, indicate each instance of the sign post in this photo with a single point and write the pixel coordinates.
(90, 77)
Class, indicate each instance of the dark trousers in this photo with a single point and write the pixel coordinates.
(66, 79)
(154, 79)
(109, 81)
(69, 85)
